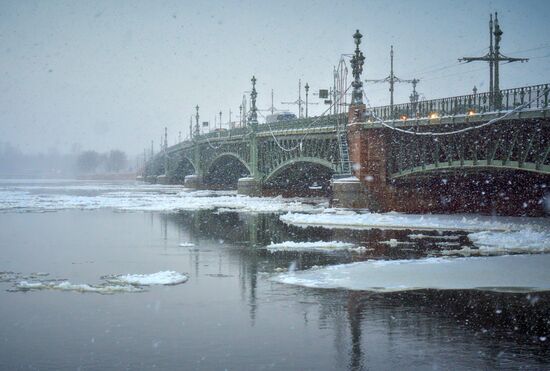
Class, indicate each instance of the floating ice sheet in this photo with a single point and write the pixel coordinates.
(324, 246)
(332, 218)
(159, 278)
(68, 286)
(516, 273)
(111, 285)
(524, 240)
(37, 198)
(420, 236)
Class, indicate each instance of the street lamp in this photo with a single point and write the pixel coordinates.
(307, 91)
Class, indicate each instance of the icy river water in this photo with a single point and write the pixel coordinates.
(116, 276)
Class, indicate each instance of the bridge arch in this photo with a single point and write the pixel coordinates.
(300, 176)
(222, 155)
(495, 165)
(224, 170)
(312, 160)
(179, 167)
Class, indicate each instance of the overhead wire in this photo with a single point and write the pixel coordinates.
(299, 145)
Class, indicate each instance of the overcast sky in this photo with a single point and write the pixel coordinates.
(112, 74)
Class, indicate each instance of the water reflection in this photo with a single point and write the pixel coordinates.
(415, 329)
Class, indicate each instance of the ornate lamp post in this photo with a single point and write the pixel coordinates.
(357, 62)
(251, 185)
(197, 127)
(307, 91)
(241, 115)
(253, 117)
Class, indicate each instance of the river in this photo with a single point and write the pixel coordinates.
(115, 276)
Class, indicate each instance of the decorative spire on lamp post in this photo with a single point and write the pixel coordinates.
(253, 117)
(357, 62)
(197, 127)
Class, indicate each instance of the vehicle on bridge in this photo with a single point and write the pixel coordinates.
(282, 116)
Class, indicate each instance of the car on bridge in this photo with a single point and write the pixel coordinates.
(282, 116)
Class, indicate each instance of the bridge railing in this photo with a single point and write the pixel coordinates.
(297, 124)
(468, 104)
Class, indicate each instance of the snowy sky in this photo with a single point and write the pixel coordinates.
(112, 74)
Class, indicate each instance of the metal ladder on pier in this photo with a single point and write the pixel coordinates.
(345, 166)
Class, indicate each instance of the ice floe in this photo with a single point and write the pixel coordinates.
(392, 220)
(517, 273)
(420, 236)
(68, 286)
(324, 246)
(392, 242)
(145, 198)
(159, 278)
(112, 284)
(524, 240)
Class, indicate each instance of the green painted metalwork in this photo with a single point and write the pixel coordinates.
(227, 154)
(521, 142)
(467, 104)
(465, 165)
(313, 160)
(514, 144)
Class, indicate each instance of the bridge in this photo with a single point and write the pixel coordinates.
(484, 152)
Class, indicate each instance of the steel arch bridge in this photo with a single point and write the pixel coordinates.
(277, 147)
(408, 141)
(518, 145)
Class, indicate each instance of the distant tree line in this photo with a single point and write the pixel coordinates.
(113, 161)
(15, 163)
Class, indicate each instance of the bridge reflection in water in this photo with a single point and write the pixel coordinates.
(425, 328)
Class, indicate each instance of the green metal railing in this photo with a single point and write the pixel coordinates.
(460, 105)
(469, 104)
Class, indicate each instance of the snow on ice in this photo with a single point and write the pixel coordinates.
(143, 198)
(333, 218)
(67, 286)
(112, 284)
(524, 240)
(490, 234)
(518, 273)
(159, 278)
(324, 246)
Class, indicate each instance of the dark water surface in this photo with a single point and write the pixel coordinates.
(230, 315)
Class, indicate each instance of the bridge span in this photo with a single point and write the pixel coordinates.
(471, 153)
